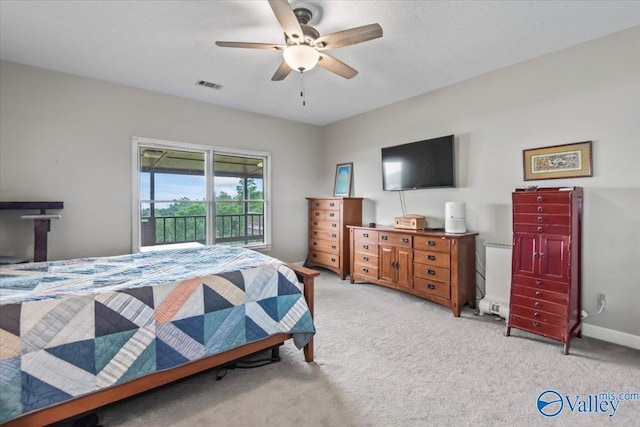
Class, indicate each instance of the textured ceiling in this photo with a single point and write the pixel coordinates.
(167, 46)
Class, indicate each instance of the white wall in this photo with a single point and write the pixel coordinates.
(587, 92)
(68, 138)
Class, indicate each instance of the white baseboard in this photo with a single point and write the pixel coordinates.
(611, 335)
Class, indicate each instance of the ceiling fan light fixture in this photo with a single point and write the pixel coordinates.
(301, 57)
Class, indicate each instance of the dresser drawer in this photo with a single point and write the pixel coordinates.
(439, 259)
(541, 284)
(325, 204)
(365, 236)
(564, 209)
(318, 257)
(537, 327)
(365, 270)
(394, 239)
(563, 230)
(324, 214)
(542, 219)
(365, 247)
(535, 197)
(325, 225)
(539, 315)
(325, 235)
(432, 287)
(432, 273)
(539, 304)
(365, 259)
(432, 244)
(539, 294)
(324, 246)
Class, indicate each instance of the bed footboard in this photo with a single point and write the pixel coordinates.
(306, 277)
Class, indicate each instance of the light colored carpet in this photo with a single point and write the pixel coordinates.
(384, 358)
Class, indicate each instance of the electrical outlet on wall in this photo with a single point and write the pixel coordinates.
(602, 302)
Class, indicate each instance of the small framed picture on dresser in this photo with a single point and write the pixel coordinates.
(342, 185)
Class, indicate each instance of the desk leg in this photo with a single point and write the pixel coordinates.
(41, 229)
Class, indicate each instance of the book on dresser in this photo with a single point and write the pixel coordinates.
(546, 271)
(328, 233)
(433, 265)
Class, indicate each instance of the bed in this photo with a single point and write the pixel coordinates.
(79, 334)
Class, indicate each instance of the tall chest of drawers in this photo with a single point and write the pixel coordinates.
(328, 234)
(546, 263)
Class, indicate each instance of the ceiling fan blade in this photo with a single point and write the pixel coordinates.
(287, 19)
(250, 45)
(336, 66)
(349, 37)
(282, 72)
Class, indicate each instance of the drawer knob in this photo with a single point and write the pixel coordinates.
(537, 304)
(315, 255)
(332, 214)
(540, 219)
(538, 282)
(317, 204)
(431, 286)
(384, 237)
(539, 199)
(334, 225)
(365, 258)
(366, 270)
(539, 229)
(315, 233)
(365, 246)
(536, 315)
(333, 235)
(539, 294)
(333, 246)
(431, 272)
(365, 234)
(315, 222)
(431, 257)
(431, 243)
(315, 243)
(536, 324)
(333, 260)
(332, 204)
(540, 208)
(317, 213)
(536, 255)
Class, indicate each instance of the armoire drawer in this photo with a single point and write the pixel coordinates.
(539, 304)
(539, 315)
(563, 230)
(540, 294)
(537, 327)
(540, 283)
(541, 219)
(559, 209)
(541, 197)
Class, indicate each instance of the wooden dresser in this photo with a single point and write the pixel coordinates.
(546, 270)
(328, 234)
(433, 265)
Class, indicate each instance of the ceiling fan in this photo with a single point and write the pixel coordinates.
(304, 48)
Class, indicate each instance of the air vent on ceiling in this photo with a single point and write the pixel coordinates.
(208, 84)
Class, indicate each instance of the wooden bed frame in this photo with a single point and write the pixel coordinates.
(109, 395)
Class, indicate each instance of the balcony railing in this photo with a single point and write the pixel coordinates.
(230, 229)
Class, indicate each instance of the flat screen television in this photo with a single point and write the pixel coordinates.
(421, 164)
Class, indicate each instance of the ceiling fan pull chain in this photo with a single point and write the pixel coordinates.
(302, 94)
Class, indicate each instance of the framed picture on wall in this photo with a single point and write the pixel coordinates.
(342, 185)
(558, 161)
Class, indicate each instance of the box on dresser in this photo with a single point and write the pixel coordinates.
(546, 271)
(328, 233)
(433, 265)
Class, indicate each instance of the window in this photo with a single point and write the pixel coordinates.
(187, 195)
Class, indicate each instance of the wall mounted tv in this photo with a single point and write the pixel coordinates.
(421, 164)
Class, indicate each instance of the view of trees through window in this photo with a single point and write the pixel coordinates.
(174, 210)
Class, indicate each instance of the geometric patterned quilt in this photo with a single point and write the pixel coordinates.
(68, 328)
